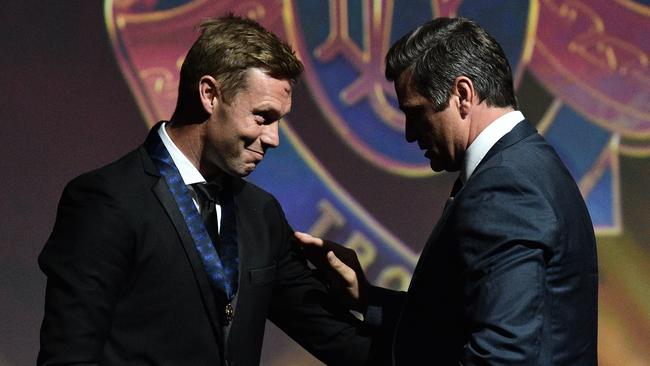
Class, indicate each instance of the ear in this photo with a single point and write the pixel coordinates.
(209, 92)
(464, 90)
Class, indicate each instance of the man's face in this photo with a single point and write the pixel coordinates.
(241, 131)
(443, 135)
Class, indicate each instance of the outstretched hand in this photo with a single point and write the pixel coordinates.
(339, 266)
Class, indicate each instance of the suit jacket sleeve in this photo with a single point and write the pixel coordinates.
(384, 306)
(85, 261)
(382, 314)
(505, 229)
(302, 308)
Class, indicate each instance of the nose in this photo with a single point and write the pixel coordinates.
(270, 135)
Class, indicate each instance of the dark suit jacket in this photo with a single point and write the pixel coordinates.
(509, 274)
(125, 285)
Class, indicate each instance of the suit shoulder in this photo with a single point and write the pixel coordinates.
(122, 176)
(530, 160)
(534, 152)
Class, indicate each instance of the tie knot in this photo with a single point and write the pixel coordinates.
(207, 191)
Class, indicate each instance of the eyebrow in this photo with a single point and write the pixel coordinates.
(268, 111)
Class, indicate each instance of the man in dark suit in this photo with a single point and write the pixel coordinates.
(168, 257)
(509, 273)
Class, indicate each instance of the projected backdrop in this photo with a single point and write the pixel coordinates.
(343, 169)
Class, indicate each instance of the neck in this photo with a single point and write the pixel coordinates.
(189, 138)
(481, 117)
(187, 114)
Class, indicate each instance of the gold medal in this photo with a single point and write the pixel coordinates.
(230, 312)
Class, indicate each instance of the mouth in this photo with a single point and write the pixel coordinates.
(258, 154)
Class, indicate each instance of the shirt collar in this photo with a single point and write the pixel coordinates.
(486, 139)
(188, 171)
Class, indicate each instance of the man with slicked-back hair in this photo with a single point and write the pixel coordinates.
(508, 275)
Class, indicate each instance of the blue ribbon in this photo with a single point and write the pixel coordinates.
(222, 273)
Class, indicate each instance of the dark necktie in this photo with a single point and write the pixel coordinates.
(225, 243)
(207, 197)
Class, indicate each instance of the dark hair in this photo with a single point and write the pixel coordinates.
(445, 48)
(226, 48)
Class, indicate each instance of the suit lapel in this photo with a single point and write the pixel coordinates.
(522, 130)
(435, 233)
(518, 133)
(245, 214)
(248, 246)
(168, 203)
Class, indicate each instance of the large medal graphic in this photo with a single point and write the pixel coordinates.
(343, 169)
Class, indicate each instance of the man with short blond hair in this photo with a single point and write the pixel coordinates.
(167, 256)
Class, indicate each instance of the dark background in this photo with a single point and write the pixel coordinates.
(65, 109)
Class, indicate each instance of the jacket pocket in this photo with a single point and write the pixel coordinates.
(262, 276)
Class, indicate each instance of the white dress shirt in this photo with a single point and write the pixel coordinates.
(189, 173)
(486, 139)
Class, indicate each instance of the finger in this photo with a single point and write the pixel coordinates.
(307, 239)
(346, 272)
(339, 250)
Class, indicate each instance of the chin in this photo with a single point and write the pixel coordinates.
(435, 166)
(243, 173)
(246, 170)
(439, 166)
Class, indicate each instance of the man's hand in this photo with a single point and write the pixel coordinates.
(340, 268)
